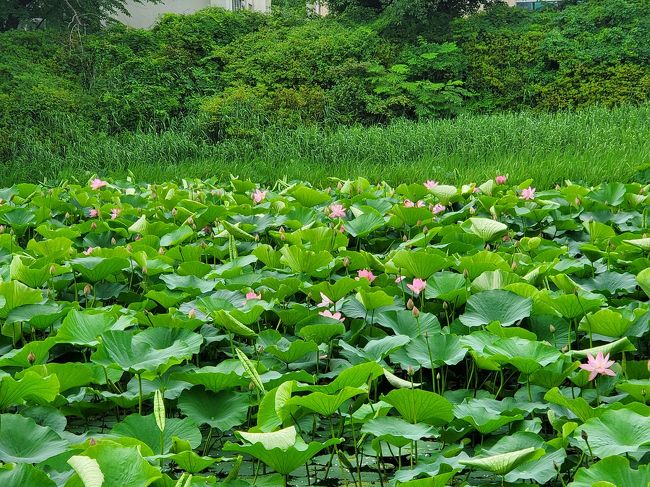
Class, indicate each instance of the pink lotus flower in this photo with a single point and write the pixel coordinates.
(93, 213)
(409, 204)
(337, 211)
(528, 193)
(342, 229)
(88, 251)
(599, 365)
(325, 301)
(335, 316)
(367, 274)
(399, 279)
(476, 190)
(258, 196)
(115, 212)
(430, 184)
(97, 184)
(501, 180)
(253, 295)
(418, 286)
(438, 208)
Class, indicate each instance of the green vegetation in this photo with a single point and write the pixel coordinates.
(220, 92)
(591, 146)
(228, 334)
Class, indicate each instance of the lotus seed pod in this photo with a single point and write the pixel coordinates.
(410, 304)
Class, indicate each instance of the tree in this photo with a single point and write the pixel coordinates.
(410, 18)
(81, 15)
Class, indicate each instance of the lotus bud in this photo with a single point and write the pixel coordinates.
(346, 261)
(410, 371)
(2, 228)
(174, 211)
(416, 312)
(251, 386)
(506, 238)
(578, 202)
(551, 328)
(418, 223)
(154, 195)
(322, 357)
(88, 289)
(31, 358)
(339, 186)
(257, 237)
(513, 266)
(161, 251)
(282, 234)
(410, 304)
(260, 349)
(425, 229)
(129, 248)
(66, 216)
(207, 229)
(92, 442)
(584, 435)
(445, 305)
(191, 314)
(565, 349)
(203, 244)
(465, 273)
(438, 376)
(113, 241)
(52, 269)
(472, 210)
(404, 238)
(487, 247)
(145, 270)
(93, 226)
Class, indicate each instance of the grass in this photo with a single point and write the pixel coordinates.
(590, 146)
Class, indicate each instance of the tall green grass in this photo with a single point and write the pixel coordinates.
(590, 146)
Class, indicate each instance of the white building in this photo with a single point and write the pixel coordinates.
(145, 15)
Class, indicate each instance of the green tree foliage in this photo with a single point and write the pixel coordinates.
(78, 14)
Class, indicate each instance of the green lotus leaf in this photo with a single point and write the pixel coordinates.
(374, 350)
(326, 404)
(612, 194)
(356, 377)
(418, 406)
(150, 350)
(434, 350)
(133, 471)
(321, 333)
(447, 286)
(496, 305)
(88, 470)
(191, 462)
(23, 441)
(85, 327)
(612, 471)
(494, 280)
(526, 355)
(223, 410)
(486, 415)
(293, 351)
(614, 432)
(372, 300)
(176, 237)
(31, 387)
(145, 429)
(305, 261)
(14, 294)
(485, 228)
(606, 322)
(620, 345)
(397, 431)
(421, 264)
(190, 284)
(28, 274)
(282, 450)
(24, 475)
(503, 463)
(226, 375)
(232, 324)
(643, 278)
(642, 243)
(364, 224)
(478, 263)
(636, 388)
(95, 269)
(402, 322)
(40, 316)
(309, 197)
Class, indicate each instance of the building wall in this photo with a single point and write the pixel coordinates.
(144, 16)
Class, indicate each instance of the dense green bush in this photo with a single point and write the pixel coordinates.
(235, 74)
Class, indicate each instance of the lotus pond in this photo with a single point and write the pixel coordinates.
(209, 333)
